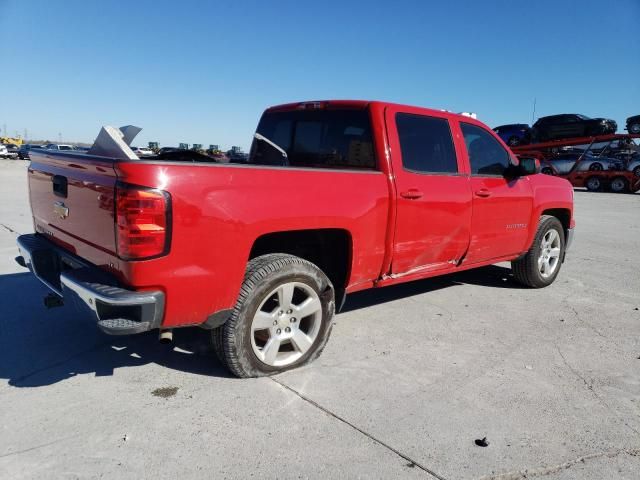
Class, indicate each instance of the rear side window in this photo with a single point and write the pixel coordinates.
(316, 138)
(426, 144)
(486, 155)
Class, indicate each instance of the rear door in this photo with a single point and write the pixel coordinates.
(502, 206)
(433, 193)
(72, 200)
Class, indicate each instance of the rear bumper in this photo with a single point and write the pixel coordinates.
(118, 311)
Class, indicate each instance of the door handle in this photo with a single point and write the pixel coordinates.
(483, 192)
(411, 194)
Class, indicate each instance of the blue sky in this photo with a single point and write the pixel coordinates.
(203, 71)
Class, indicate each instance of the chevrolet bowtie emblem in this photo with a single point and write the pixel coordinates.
(60, 209)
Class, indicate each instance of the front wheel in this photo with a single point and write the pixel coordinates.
(282, 319)
(596, 167)
(634, 128)
(540, 266)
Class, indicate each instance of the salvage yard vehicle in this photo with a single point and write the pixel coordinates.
(335, 197)
(514, 134)
(6, 153)
(633, 124)
(563, 163)
(570, 126)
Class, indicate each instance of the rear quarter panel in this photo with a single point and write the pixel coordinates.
(220, 210)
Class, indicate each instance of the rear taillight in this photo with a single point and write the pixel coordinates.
(142, 222)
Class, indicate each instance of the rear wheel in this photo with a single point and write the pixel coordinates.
(596, 167)
(594, 184)
(636, 171)
(540, 266)
(634, 128)
(618, 185)
(282, 319)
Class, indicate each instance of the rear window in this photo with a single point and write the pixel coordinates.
(315, 138)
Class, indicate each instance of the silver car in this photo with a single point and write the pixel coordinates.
(563, 164)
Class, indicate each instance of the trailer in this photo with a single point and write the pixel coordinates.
(619, 180)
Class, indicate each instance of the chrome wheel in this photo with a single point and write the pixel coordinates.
(286, 324)
(549, 257)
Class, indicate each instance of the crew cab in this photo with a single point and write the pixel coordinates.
(335, 197)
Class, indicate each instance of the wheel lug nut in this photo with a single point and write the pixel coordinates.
(280, 312)
(275, 322)
(293, 319)
(287, 329)
(289, 312)
(278, 331)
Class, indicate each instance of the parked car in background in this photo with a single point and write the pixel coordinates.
(4, 153)
(59, 146)
(570, 126)
(633, 124)
(23, 151)
(142, 151)
(514, 134)
(563, 163)
(10, 150)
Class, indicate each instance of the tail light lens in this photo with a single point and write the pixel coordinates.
(142, 222)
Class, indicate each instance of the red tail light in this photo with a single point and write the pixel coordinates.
(142, 222)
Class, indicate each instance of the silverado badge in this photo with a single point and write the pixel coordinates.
(60, 209)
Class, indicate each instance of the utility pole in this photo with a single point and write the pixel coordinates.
(533, 115)
(59, 137)
(25, 134)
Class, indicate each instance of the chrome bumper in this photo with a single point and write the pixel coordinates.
(118, 311)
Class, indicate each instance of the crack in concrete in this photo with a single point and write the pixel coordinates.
(589, 386)
(565, 300)
(411, 462)
(18, 452)
(548, 470)
(8, 228)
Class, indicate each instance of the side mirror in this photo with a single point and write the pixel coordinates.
(529, 166)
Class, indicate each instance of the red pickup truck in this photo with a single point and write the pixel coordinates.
(335, 197)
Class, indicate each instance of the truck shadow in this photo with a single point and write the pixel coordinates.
(41, 347)
(494, 276)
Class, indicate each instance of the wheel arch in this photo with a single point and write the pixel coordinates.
(331, 249)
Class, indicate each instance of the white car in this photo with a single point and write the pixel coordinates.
(5, 153)
(142, 151)
(59, 146)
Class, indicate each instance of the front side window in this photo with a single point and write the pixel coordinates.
(486, 155)
(318, 138)
(426, 144)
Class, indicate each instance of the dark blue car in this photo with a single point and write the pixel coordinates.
(514, 134)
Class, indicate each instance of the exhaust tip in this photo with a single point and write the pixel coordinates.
(165, 337)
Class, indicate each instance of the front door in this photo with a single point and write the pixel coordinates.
(433, 196)
(502, 206)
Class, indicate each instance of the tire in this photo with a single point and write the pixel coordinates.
(594, 184)
(547, 171)
(596, 167)
(540, 266)
(513, 141)
(263, 336)
(618, 185)
(636, 171)
(634, 128)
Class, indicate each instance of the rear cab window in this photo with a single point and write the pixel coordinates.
(316, 138)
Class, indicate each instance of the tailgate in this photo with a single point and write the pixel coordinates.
(72, 201)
